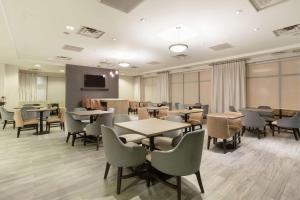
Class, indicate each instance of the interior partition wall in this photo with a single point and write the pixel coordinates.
(276, 84)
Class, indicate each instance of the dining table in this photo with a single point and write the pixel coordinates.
(89, 113)
(41, 116)
(152, 128)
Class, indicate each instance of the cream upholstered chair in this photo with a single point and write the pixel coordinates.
(236, 124)
(124, 134)
(24, 125)
(196, 119)
(219, 128)
(120, 155)
(292, 123)
(56, 120)
(169, 139)
(183, 160)
(7, 117)
(94, 129)
(163, 112)
(74, 128)
(143, 113)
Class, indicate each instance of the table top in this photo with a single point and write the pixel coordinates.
(153, 108)
(152, 127)
(187, 111)
(20, 107)
(227, 115)
(41, 109)
(89, 112)
(258, 109)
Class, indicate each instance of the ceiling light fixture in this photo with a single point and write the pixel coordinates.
(142, 19)
(116, 72)
(114, 39)
(37, 65)
(111, 74)
(70, 28)
(256, 29)
(103, 75)
(178, 48)
(124, 64)
(238, 12)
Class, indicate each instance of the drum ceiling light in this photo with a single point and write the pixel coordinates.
(178, 48)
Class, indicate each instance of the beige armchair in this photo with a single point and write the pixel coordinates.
(218, 127)
(196, 119)
(57, 120)
(24, 125)
(143, 113)
(163, 112)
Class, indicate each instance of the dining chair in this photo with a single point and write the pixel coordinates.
(268, 116)
(56, 120)
(120, 155)
(196, 119)
(124, 134)
(24, 125)
(85, 119)
(111, 110)
(292, 123)
(94, 129)
(254, 122)
(197, 105)
(143, 113)
(7, 117)
(168, 140)
(26, 115)
(232, 109)
(163, 112)
(74, 128)
(183, 160)
(205, 110)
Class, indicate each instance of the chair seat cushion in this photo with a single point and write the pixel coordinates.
(162, 143)
(31, 122)
(53, 119)
(133, 137)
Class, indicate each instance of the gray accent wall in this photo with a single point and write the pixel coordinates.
(75, 81)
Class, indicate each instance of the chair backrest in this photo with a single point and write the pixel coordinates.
(197, 105)
(264, 107)
(121, 118)
(3, 112)
(176, 133)
(197, 116)
(106, 119)
(111, 110)
(143, 113)
(28, 115)
(232, 109)
(72, 125)
(18, 119)
(293, 122)
(217, 127)
(252, 119)
(61, 114)
(205, 110)
(163, 112)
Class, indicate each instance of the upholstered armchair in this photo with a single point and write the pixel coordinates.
(163, 112)
(56, 120)
(292, 123)
(24, 125)
(183, 160)
(94, 129)
(196, 119)
(7, 117)
(253, 121)
(124, 134)
(143, 113)
(219, 128)
(120, 155)
(74, 128)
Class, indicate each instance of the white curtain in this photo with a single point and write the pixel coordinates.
(27, 87)
(137, 88)
(163, 79)
(229, 86)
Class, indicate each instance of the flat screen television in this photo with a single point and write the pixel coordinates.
(94, 81)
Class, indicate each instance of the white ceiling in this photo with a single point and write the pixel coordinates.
(32, 31)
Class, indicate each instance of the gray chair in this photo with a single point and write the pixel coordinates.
(120, 155)
(205, 110)
(292, 123)
(85, 119)
(112, 110)
(26, 115)
(94, 129)
(179, 106)
(74, 128)
(232, 109)
(264, 107)
(169, 139)
(253, 121)
(184, 160)
(7, 117)
(124, 134)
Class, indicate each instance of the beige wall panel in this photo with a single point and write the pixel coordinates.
(291, 66)
(290, 96)
(191, 92)
(177, 78)
(262, 91)
(205, 75)
(264, 69)
(191, 77)
(205, 92)
(177, 92)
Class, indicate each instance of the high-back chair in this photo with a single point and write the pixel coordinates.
(24, 125)
(292, 123)
(196, 119)
(26, 115)
(124, 134)
(219, 128)
(56, 120)
(120, 155)
(94, 129)
(74, 128)
(174, 162)
(7, 117)
(143, 113)
(163, 112)
(253, 121)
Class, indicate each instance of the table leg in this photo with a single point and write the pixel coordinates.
(91, 119)
(152, 145)
(41, 122)
(154, 113)
(185, 119)
(280, 113)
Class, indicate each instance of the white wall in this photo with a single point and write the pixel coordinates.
(56, 90)
(2, 79)
(126, 87)
(11, 86)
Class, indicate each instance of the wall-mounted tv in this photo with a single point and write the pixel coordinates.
(94, 81)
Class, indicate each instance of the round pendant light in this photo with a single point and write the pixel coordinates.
(178, 48)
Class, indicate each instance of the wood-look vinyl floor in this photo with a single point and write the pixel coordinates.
(46, 168)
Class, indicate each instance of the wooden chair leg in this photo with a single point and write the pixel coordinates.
(119, 181)
(199, 181)
(68, 137)
(4, 124)
(273, 131)
(37, 129)
(98, 142)
(224, 145)
(295, 134)
(73, 139)
(243, 130)
(14, 125)
(106, 170)
(208, 142)
(84, 139)
(178, 187)
(18, 133)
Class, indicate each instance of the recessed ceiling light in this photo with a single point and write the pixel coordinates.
(116, 72)
(70, 28)
(238, 12)
(62, 71)
(178, 48)
(37, 65)
(123, 64)
(256, 29)
(103, 75)
(142, 19)
(114, 39)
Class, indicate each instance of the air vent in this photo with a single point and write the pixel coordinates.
(72, 48)
(262, 4)
(62, 58)
(90, 32)
(124, 6)
(221, 47)
(288, 31)
(180, 56)
(153, 63)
